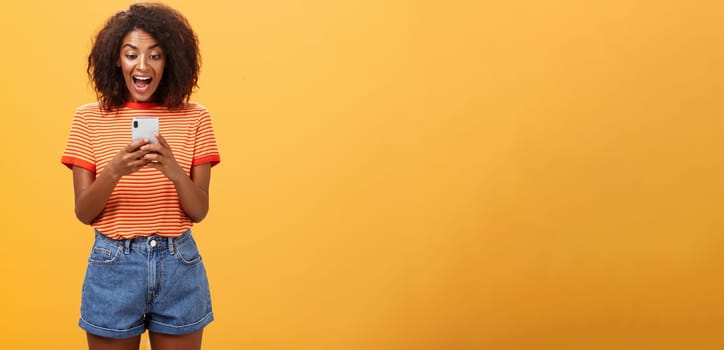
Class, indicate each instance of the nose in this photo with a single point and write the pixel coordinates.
(142, 63)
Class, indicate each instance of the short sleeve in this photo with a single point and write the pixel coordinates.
(79, 148)
(205, 148)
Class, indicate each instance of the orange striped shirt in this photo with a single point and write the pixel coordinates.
(143, 203)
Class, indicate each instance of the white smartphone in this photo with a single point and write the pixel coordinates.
(144, 128)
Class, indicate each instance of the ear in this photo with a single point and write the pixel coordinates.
(118, 63)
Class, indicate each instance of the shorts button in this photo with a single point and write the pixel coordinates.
(153, 244)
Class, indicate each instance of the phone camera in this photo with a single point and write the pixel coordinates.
(135, 123)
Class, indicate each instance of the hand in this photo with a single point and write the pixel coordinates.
(129, 160)
(160, 156)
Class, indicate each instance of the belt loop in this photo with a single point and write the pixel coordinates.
(126, 246)
(171, 245)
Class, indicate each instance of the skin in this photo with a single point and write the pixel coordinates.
(141, 56)
(158, 342)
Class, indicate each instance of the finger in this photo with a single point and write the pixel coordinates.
(162, 141)
(152, 156)
(138, 154)
(137, 163)
(135, 144)
(150, 147)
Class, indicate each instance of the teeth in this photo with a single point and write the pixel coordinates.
(143, 78)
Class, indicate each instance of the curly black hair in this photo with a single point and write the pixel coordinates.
(175, 36)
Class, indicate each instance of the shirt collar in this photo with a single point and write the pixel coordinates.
(141, 105)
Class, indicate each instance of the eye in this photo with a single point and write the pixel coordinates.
(155, 57)
(131, 56)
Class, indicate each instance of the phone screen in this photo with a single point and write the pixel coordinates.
(144, 128)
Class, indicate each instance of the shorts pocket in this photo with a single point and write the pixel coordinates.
(104, 253)
(187, 252)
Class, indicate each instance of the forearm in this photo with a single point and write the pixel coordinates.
(92, 192)
(192, 188)
(193, 200)
(90, 202)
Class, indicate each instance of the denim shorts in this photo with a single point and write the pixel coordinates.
(154, 283)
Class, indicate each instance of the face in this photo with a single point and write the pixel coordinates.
(142, 61)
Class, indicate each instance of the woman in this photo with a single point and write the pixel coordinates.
(141, 198)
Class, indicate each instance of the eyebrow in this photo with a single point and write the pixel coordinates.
(135, 48)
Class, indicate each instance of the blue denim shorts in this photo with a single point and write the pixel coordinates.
(154, 283)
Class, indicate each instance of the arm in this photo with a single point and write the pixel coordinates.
(92, 192)
(193, 191)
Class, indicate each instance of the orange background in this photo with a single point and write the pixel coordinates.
(407, 174)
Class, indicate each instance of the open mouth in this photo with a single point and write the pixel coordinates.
(141, 83)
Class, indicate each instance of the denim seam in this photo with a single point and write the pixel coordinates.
(111, 329)
(106, 262)
(203, 319)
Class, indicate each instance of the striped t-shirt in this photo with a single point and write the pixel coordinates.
(143, 203)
